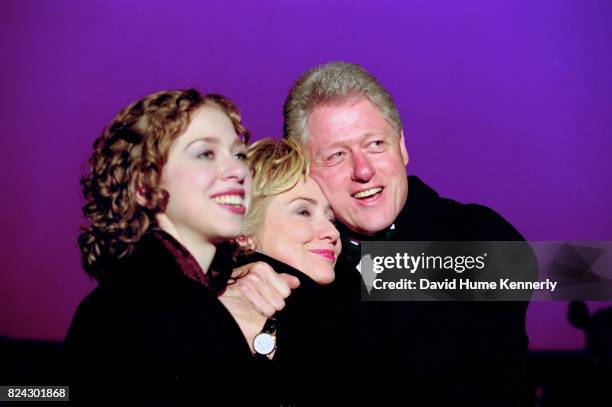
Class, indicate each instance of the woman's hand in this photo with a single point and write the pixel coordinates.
(264, 288)
(257, 294)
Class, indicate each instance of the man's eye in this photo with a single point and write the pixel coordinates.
(337, 156)
(241, 156)
(208, 155)
(377, 145)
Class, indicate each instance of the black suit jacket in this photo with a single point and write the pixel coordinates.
(429, 353)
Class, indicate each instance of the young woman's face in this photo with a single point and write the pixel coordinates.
(298, 229)
(207, 179)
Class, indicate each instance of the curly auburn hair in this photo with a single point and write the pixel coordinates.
(128, 159)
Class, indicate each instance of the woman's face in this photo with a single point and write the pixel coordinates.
(207, 179)
(298, 230)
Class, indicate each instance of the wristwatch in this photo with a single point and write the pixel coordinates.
(264, 342)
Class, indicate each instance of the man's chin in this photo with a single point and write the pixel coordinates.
(369, 221)
(370, 229)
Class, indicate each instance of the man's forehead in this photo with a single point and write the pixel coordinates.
(346, 122)
(348, 104)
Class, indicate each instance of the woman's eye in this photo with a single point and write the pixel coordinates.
(303, 212)
(209, 155)
(241, 156)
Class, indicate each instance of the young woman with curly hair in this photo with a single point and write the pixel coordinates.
(167, 187)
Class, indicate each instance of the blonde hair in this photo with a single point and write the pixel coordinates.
(334, 82)
(277, 166)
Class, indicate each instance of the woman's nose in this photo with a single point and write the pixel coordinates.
(236, 170)
(327, 231)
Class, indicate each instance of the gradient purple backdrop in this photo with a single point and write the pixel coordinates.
(508, 104)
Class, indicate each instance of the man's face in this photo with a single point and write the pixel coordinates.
(359, 161)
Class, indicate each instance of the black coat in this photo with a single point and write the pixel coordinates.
(297, 375)
(429, 353)
(151, 335)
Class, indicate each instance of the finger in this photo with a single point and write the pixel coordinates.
(242, 270)
(292, 281)
(266, 290)
(277, 283)
(258, 302)
(272, 279)
(261, 285)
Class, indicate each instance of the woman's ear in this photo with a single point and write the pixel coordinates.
(140, 193)
(140, 199)
(245, 242)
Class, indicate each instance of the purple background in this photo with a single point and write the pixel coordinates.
(508, 104)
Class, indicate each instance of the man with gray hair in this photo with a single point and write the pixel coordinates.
(433, 353)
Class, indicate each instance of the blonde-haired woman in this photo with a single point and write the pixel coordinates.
(289, 226)
(290, 219)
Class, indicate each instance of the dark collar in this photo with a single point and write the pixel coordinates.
(159, 258)
(277, 265)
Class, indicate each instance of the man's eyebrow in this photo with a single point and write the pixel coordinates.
(368, 136)
(343, 143)
(332, 146)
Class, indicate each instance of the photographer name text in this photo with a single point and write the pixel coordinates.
(464, 284)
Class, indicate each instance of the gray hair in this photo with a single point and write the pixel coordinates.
(334, 82)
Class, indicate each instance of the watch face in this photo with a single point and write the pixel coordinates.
(264, 343)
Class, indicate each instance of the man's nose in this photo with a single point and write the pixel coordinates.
(363, 171)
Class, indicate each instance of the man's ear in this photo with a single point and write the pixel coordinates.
(403, 149)
(245, 242)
